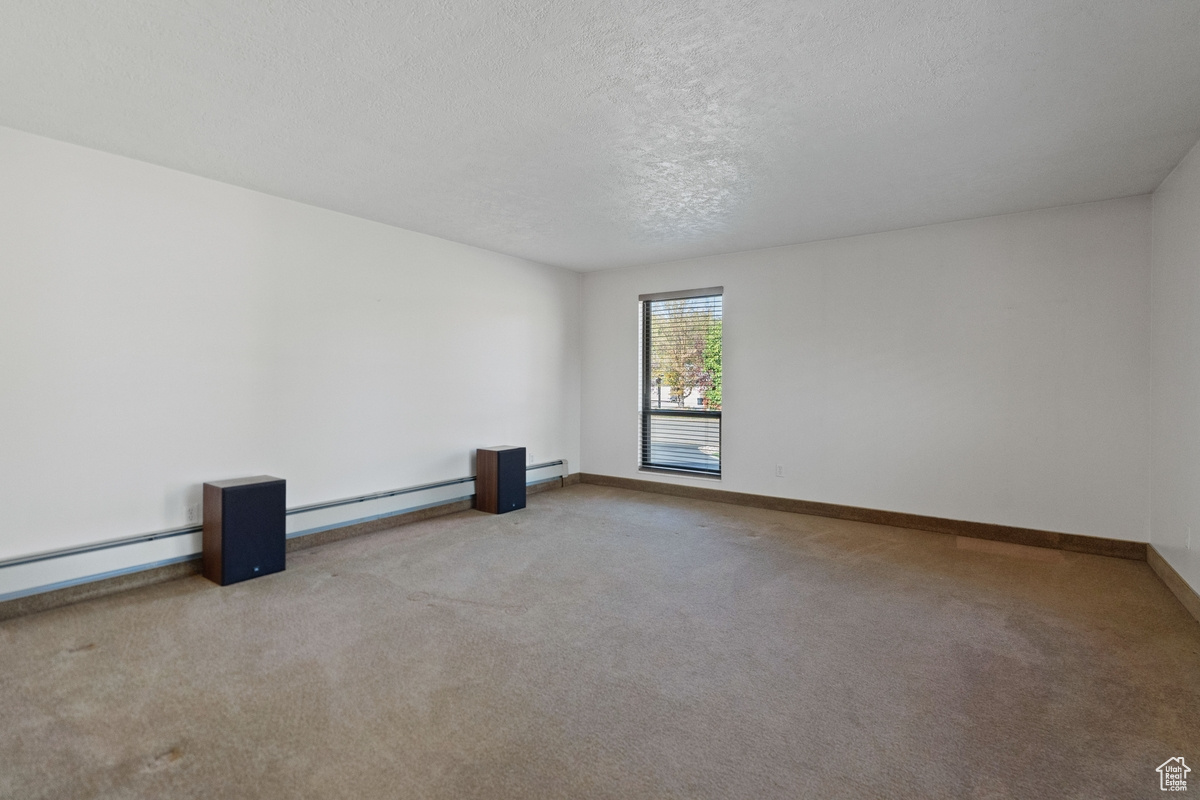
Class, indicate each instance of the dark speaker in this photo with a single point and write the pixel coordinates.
(244, 533)
(499, 479)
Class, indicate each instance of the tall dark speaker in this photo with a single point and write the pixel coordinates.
(244, 534)
(499, 479)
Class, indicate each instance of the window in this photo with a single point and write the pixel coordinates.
(681, 381)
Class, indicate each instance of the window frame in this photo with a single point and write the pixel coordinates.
(645, 407)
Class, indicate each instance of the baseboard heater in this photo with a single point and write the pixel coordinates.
(44, 572)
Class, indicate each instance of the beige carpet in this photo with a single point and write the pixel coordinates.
(608, 643)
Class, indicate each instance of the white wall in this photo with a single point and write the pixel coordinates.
(158, 330)
(1175, 466)
(993, 370)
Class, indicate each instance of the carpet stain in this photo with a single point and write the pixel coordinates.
(83, 648)
(432, 599)
(164, 759)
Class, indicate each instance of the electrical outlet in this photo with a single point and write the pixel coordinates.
(193, 513)
(779, 470)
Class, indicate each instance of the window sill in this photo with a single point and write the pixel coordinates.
(680, 473)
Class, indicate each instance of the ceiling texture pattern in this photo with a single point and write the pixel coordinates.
(613, 133)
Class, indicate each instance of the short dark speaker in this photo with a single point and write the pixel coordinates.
(244, 534)
(499, 479)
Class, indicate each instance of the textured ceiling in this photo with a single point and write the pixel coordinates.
(612, 133)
